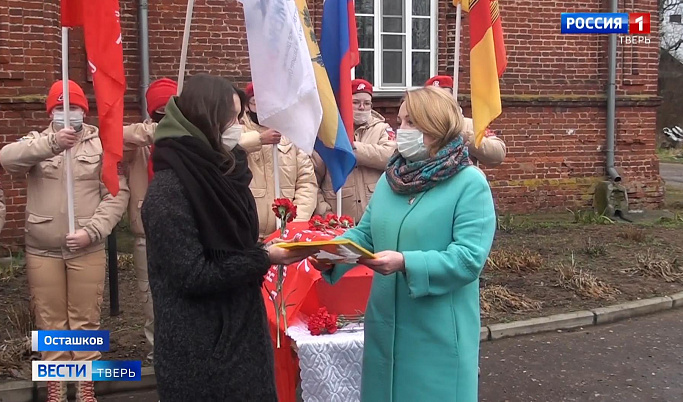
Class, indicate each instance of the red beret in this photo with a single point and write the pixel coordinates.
(442, 81)
(249, 90)
(56, 96)
(159, 92)
(358, 86)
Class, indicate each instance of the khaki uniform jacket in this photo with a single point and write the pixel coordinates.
(137, 139)
(374, 145)
(3, 209)
(96, 211)
(491, 151)
(297, 177)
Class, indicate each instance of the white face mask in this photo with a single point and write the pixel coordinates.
(411, 145)
(361, 116)
(75, 119)
(231, 136)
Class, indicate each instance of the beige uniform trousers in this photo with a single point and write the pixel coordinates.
(145, 293)
(67, 295)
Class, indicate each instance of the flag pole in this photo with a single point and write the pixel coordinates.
(186, 40)
(67, 153)
(276, 177)
(456, 59)
(339, 201)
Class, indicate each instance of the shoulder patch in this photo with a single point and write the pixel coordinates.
(391, 133)
(121, 169)
(489, 133)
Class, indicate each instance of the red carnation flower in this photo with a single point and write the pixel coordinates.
(284, 209)
(346, 221)
(316, 223)
(322, 322)
(331, 324)
(332, 221)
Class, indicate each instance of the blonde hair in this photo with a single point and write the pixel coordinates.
(436, 113)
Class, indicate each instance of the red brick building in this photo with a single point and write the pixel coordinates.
(554, 89)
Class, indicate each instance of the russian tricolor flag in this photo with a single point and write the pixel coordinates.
(339, 51)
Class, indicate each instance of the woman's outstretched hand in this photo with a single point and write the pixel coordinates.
(386, 262)
(320, 266)
(279, 255)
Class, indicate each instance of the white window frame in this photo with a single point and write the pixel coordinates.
(408, 35)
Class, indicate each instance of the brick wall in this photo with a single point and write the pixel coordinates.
(553, 90)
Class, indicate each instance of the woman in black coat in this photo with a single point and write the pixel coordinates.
(205, 264)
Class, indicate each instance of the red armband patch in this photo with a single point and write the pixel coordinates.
(391, 133)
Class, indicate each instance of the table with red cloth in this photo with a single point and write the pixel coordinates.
(305, 292)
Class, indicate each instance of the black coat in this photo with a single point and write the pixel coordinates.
(211, 339)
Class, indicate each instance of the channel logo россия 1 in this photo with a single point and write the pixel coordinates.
(606, 23)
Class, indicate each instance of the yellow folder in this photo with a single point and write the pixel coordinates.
(341, 251)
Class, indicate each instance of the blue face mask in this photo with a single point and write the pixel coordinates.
(411, 145)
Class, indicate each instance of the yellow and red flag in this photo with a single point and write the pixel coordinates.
(487, 62)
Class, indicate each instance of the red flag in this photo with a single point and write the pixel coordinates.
(102, 32)
(72, 13)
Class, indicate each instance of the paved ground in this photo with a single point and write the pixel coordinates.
(672, 173)
(148, 396)
(635, 360)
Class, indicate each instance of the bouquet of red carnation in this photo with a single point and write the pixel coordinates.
(285, 210)
(322, 322)
(331, 221)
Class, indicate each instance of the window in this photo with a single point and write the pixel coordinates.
(397, 40)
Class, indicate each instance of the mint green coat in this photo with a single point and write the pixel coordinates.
(422, 325)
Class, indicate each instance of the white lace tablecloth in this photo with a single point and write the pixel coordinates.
(330, 364)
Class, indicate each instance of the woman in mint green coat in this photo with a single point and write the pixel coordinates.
(430, 224)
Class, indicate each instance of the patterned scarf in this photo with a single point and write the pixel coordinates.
(407, 177)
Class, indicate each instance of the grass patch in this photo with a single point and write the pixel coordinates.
(518, 261)
(505, 222)
(585, 284)
(589, 217)
(11, 267)
(655, 266)
(13, 352)
(671, 155)
(525, 222)
(16, 350)
(673, 197)
(674, 221)
(594, 248)
(20, 318)
(498, 298)
(633, 233)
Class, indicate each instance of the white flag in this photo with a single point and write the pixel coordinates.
(284, 82)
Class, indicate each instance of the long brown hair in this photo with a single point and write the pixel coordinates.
(207, 101)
